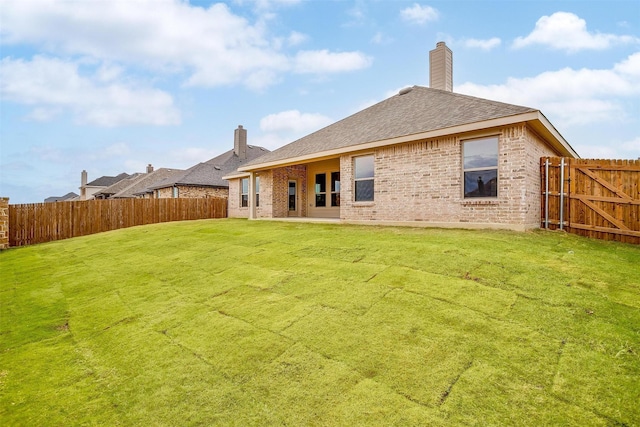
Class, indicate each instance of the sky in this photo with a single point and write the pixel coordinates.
(109, 86)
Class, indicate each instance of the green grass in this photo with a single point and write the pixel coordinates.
(231, 322)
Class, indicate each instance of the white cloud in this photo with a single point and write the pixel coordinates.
(287, 126)
(296, 38)
(53, 85)
(482, 44)
(209, 46)
(294, 121)
(323, 61)
(620, 150)
(568, 32)
(418, 14)
(381, 39)
(570, 97)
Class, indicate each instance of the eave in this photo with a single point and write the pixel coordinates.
(535, 119)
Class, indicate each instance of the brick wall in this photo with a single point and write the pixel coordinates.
(266, 199)
(422, 181)
(193, 192)
(4, 223)
(280, 196)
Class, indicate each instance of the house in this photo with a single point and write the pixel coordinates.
(66, 198)
(108, 192)
(206, 179)
(136, 186)
(88, 189)
(424, 156)
(140, 188)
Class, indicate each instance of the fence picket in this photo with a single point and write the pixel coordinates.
(44, 222)
(603, 200)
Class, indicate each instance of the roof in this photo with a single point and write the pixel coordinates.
(416, 112)
(142, 183)
(123, 183)
(106, 181)
(66, 197)
(210, 173)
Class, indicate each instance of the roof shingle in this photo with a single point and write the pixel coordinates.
(412, 111)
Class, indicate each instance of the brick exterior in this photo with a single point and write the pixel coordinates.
(4, 223)
(193, 192)
(274, 193)
(421, 183)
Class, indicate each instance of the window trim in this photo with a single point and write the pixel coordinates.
(371, 178)
(481, 169)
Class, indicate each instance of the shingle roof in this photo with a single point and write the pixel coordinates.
(67, 196)
(412, 111)
(142, 183)
(210, 173)
(116, 187)
(105, 181)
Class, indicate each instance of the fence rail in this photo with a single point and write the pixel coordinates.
(44, 222)
(593, 198)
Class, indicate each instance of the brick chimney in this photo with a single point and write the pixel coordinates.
(149, 168)
(83, 178)
(240, 142)
(441, 67)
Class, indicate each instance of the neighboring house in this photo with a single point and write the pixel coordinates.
(66, 198)
(206, 179)
(424, 156)
(88, 189)
(140, 188)
(108, 192)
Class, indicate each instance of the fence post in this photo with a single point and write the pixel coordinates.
(4, 223)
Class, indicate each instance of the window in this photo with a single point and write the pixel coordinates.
(175, 192)
(257, 191)
(335, 188)
(480, 164)
(363, 178)
(292, 196)
(244, 192)
(321, 190)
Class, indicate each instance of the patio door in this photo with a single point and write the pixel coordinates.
(293, 198)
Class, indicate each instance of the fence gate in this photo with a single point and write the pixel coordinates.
(593, 198)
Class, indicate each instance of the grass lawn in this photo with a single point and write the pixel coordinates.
(231, 322)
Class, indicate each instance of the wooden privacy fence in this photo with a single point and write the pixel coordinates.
(45, 222)
(593, 198)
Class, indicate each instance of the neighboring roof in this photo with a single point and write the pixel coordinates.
(416, 112)
(142, 183)
(106, 181)
(118, 186)
(210, 173)
(64, 198)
